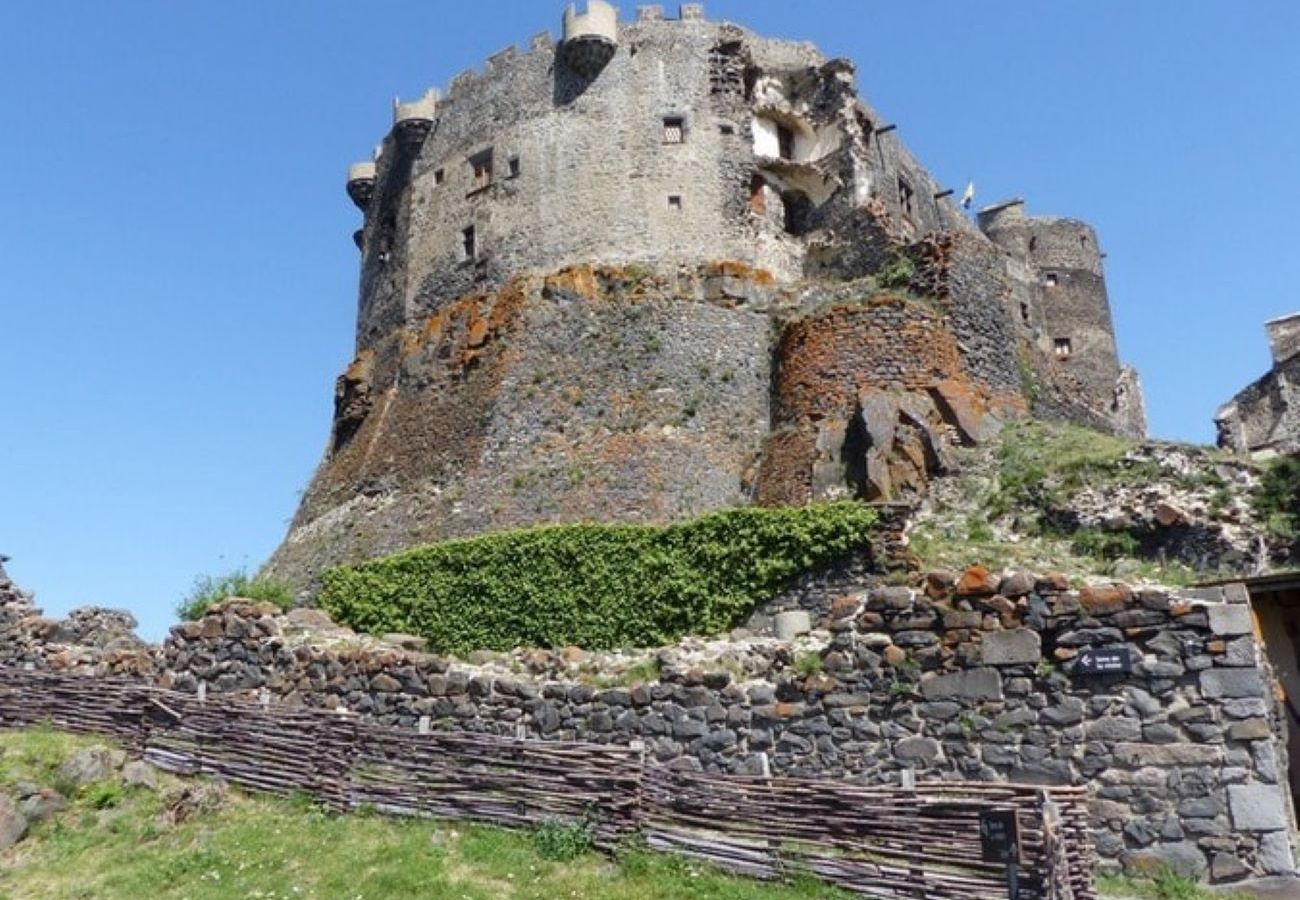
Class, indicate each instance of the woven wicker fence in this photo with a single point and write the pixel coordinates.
(885, 842)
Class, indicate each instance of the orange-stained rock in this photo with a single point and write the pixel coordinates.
(977, 581)
(1053, 583)
(843, 607)
(939, 585)
(1100, 601)
(894, 655)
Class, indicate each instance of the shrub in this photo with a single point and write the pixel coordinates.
(898, 273)
(596, 586)
(210, 589)
(562, 841)
(808, 664)
(1104, 545)
(1277, 501)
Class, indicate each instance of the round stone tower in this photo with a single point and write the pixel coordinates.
(1069, 310)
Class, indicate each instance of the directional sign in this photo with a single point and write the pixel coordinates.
(1000, 835)
(1103, 661)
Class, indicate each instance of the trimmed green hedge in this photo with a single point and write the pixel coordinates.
(596, 586)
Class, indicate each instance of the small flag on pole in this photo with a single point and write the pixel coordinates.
(968, 195)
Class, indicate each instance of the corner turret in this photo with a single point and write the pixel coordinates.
(590, 39)
(361, 183)
(413, 121)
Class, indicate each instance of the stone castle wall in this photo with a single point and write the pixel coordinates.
(1264, 418)
(969, 678)
(584, 268)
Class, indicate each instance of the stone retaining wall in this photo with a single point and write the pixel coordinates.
(959, 678)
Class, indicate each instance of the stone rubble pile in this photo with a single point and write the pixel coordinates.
(92, 640)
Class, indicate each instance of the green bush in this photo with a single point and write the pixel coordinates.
(210, 589)
(1104, 545)
(1277, 501)
(898, 273)
(562, 841)
(596, 586)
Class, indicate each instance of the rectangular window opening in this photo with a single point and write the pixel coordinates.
(727, 129)
(674, 130)
(675, 202)
(905, 194)
(1050, 279)
(514, 167)
(482, 168)
(785, 141)
(1063, 348)
(468, 243)
(758, 195)
(439, 176)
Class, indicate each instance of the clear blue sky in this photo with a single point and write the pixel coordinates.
(179, 276)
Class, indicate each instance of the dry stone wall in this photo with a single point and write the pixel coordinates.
(970, 677)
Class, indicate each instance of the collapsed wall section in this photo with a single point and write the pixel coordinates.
(1264, 418)
(870, 391)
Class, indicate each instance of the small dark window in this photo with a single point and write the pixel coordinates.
(905, 195)
(1024, 312)
(674, 130)
(785, 141)
(468, 243)
(1063, 348)
(758, 195)
(1050, 279)
(867, 129)
(439, 176)
(675, 202)
(482, 168)
(514, 167)
(727, 129)
(1033, 244)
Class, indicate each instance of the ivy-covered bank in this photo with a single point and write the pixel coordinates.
(594, 586)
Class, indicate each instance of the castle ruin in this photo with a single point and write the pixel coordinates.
(665, 266)
(1264, 418)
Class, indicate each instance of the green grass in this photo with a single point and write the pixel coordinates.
(211, 589)
(1166, 886)
(256, 847)
(1027, 484)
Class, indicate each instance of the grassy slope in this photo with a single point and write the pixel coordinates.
(992, 510)
(109, 843)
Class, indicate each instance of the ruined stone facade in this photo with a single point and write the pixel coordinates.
(1264, 418)
(668, 265)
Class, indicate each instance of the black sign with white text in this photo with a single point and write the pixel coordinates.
(1103, 661)
(1000, 835)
